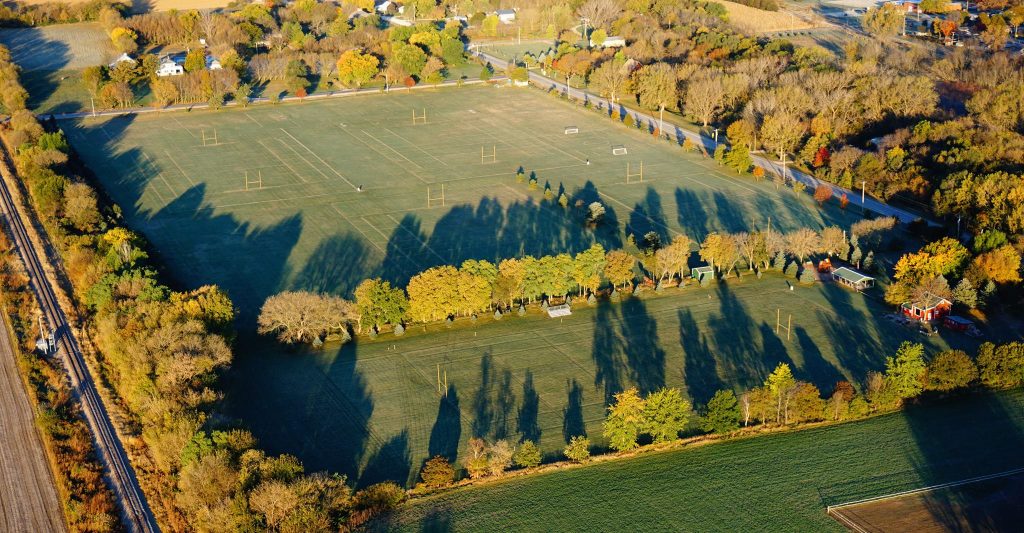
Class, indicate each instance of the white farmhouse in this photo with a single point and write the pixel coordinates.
(168, 67)
(506, 16)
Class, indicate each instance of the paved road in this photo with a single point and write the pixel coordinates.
(28, 497)
(680, 133)
(135, 510)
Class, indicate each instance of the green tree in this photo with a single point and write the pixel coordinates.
(805, 403)
(625, 417)
(195, 60)
(723, 413)
(598, 37)
(578, 449)
(964, 293)
(588, 267)
(378, 303)
(905, 372)
(665, 414)
(1001, 366)
(884, 21)
(527, 455)
(297, 76)
(656, 87)
(949, 370)
(779, 384)
(485, 72)
(242, 94)
(437, 473)
(410, 57)
(489, 27)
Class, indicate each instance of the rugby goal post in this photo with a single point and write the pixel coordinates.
(619, 150)
(634, 175)
(571, 130)
(254, 183)
(489, 156)
(420, 118)
(434, 199)
(210, 140)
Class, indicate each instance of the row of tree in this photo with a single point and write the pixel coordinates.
(446, 292)
(783, 400)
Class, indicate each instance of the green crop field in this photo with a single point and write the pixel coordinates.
(771, 483)
(267, 199)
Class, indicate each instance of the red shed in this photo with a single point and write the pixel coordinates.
(932, 308)
(957, 323)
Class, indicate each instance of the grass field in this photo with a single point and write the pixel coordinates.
(372, 409)
(772, 483)
(754, 21)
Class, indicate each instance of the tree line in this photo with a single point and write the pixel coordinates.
(477, 286)
(162, 353)
(782, 400)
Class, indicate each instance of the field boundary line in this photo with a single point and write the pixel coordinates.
(283, 162)
(176, 165)
(314, 154)
(418, 239)
(303, 158)
(414, 145)
(382, 154)
(388, 146)
(977, 479)
(160, 175)
(250, 117)
(361, 232)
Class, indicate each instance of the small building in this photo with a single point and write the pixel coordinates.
(613, 41)
(123, 58)
(506, 16)
(558, 311)
(957, 323)
(699, 274)
(931, 308)
(852, 279)
(387, 7)
(169, 67)
(630, 66)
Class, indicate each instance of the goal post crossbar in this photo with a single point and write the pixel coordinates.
(433, 199)
(491, 157)
(419, 118)
(630, 175)
(832, 508)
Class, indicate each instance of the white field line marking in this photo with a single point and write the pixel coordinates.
(361, 232)
(382, 154)
(343, 178)
(386, 145)
(179, 168)
(304, 160)
(160, 175)
(414, 145)
(385, 237)
(182, 126)
(418, 239)
(283, 162)
(248, 116)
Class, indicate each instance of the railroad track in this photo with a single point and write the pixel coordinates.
(135, 510)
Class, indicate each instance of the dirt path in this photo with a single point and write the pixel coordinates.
(28, 498)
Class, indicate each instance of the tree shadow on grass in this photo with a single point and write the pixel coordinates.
(483, 409)
(700, 369)
(391, 462)
(337, 266)
(572, 416)
(691, 215)
(642, 347)
(947, 436)
(607, 350)
(526, 421)
(447, 430)
(648, 216)
(732, 330)
(504, 405)
(815, 368)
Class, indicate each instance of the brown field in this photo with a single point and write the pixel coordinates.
(990, 505)
(144, 6)
(753, 20)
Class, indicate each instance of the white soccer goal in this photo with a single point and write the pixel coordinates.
(618, 150)
(570, 130)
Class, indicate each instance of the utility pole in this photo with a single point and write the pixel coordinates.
(716, 137)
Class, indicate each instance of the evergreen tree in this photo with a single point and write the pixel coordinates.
(723, 413)
(966, 294)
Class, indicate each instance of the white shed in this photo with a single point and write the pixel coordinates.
(506, 16)
(169, 68)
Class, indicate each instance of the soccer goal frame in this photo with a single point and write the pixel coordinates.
(571, 130)
(619, 150)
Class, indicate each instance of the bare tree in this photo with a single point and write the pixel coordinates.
(600, 13)
(833, 241)
(305, 316)
(803, 242)
(704, 98)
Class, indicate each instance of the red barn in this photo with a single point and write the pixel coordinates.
(932, 308)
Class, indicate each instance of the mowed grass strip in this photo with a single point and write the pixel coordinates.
(765, 483)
